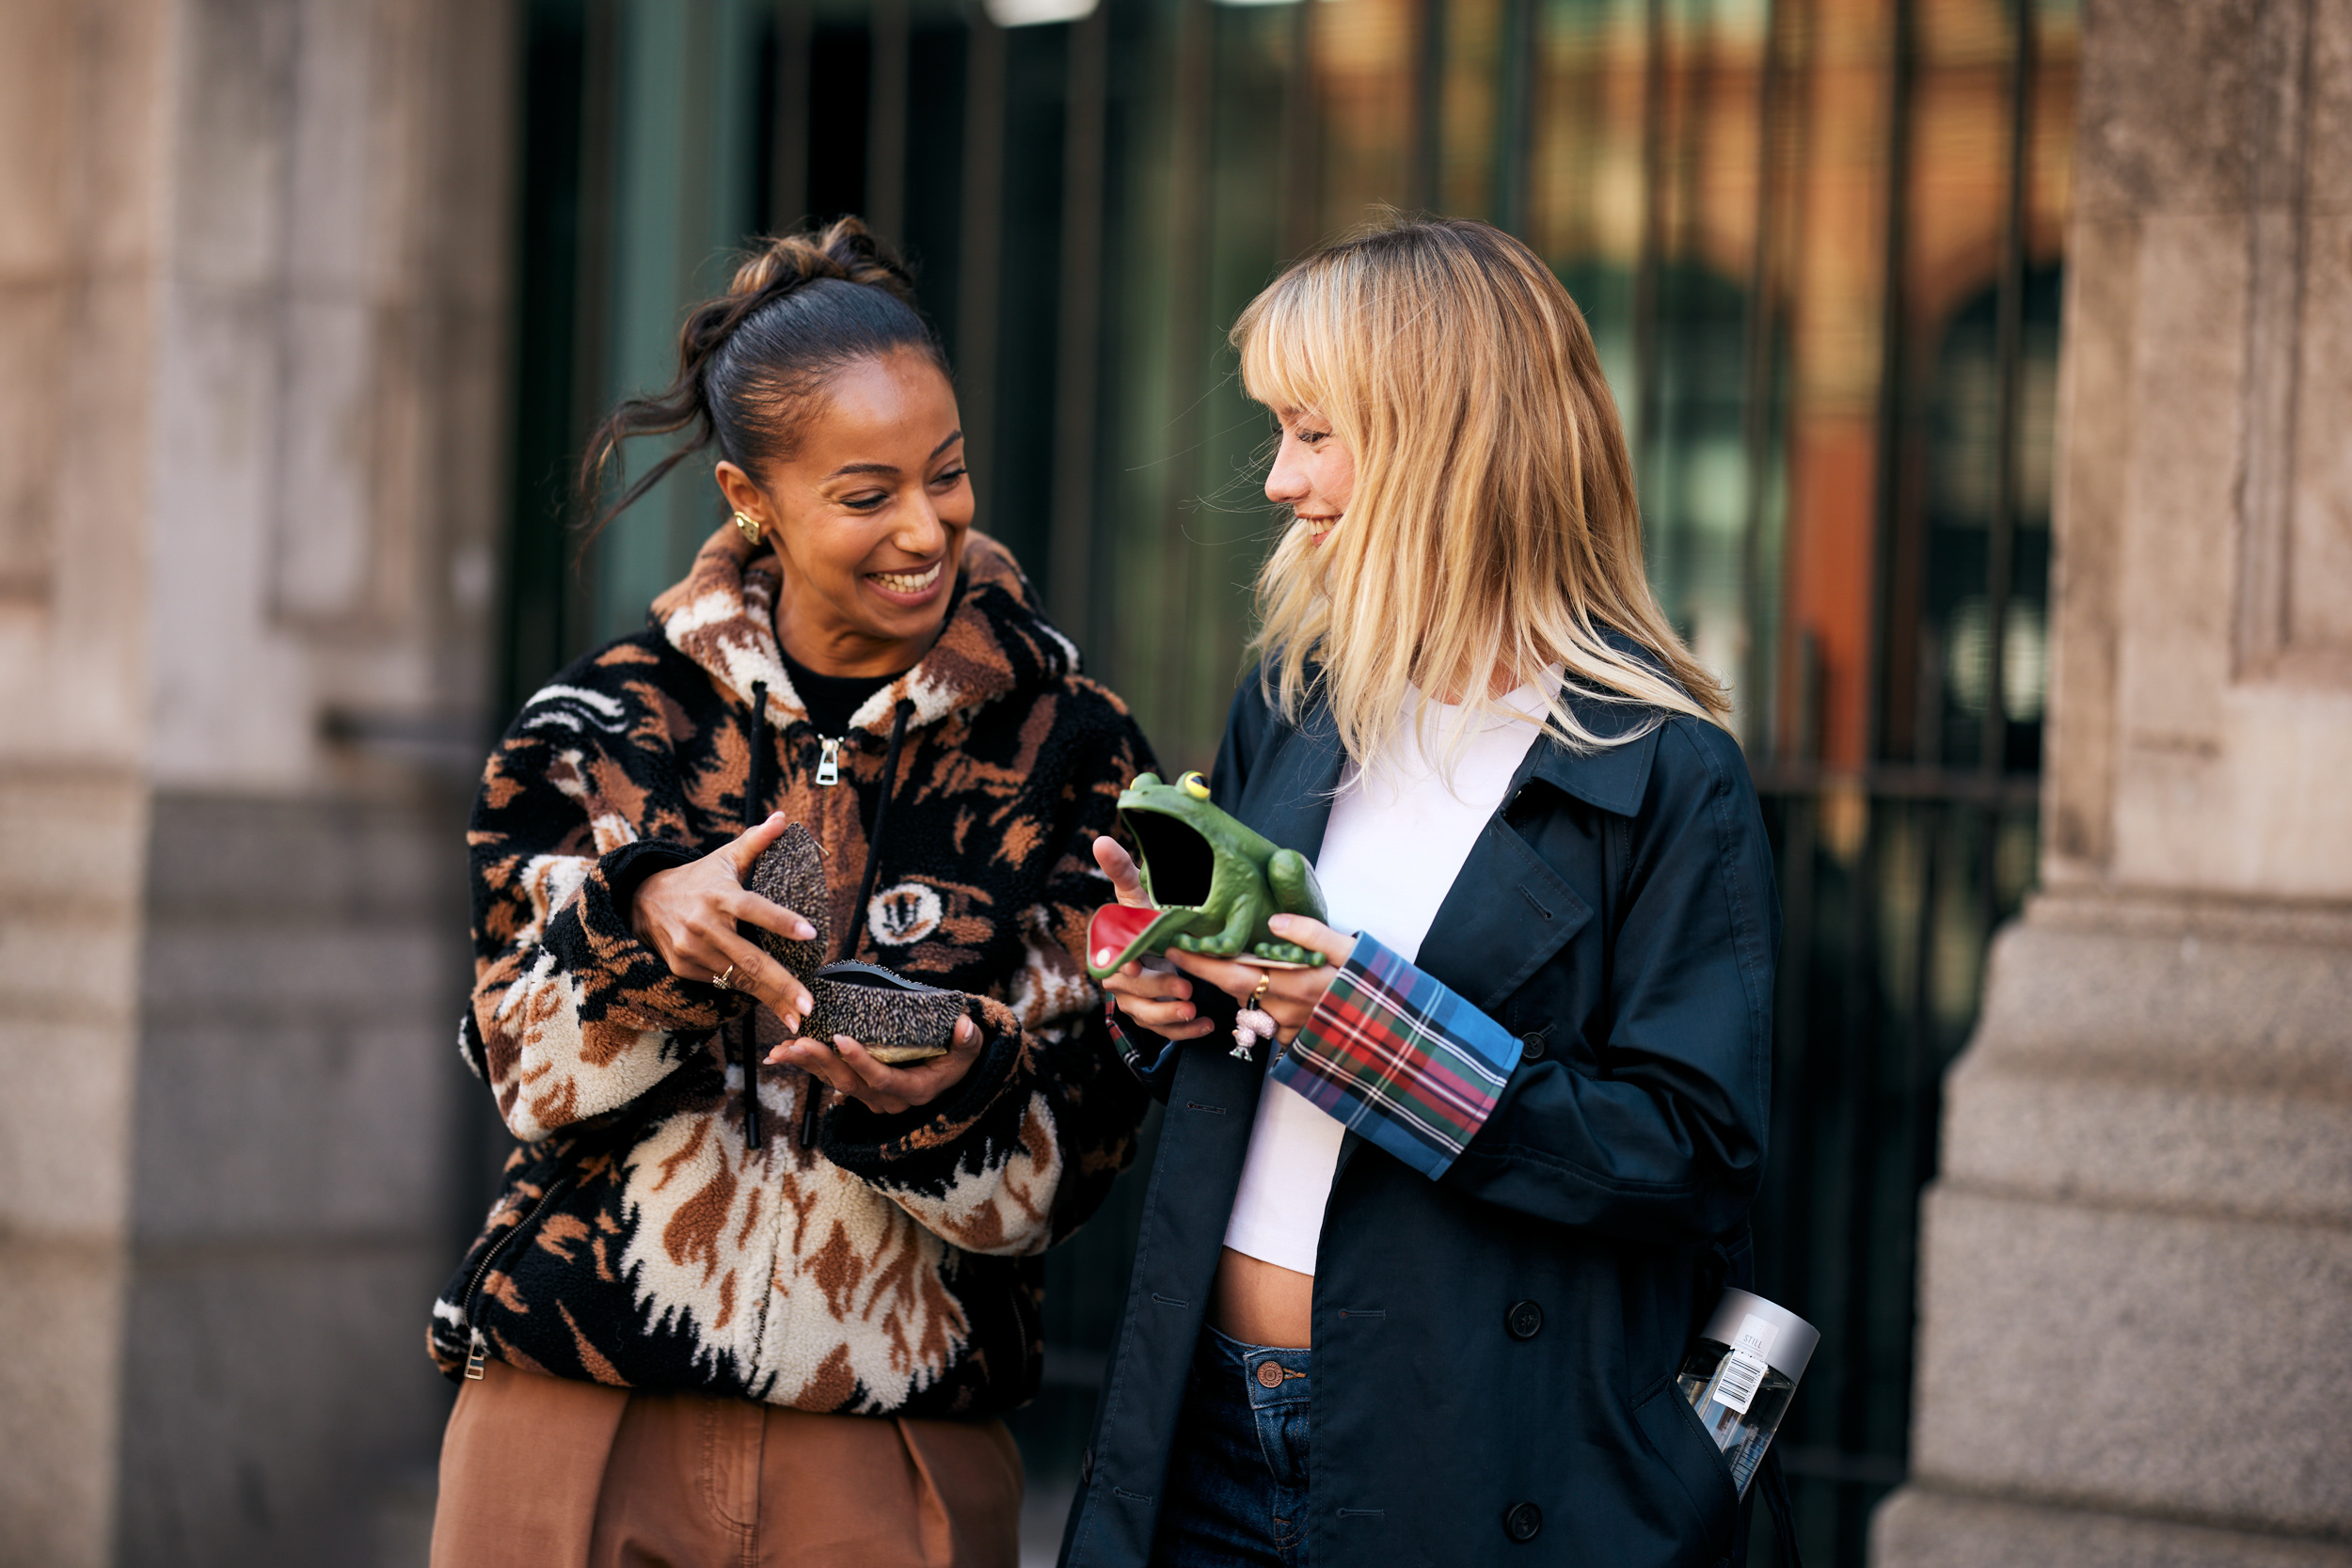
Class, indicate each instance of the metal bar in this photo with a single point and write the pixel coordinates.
(1649, 395)
(1862, 1044)
(1922, 1067)
(1515, 136)
(1894, 364)
(979, 249)
(1187, 320)
(2009, 349)
(1755, 392)
(1077, 339)
(1302, 139)
(1425, 149)
(788, 180)
(887, 119)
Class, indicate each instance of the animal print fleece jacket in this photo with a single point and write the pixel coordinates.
(891, 1265)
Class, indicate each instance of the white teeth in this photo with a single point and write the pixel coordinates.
(908, 582)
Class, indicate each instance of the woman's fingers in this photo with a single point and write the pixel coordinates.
(1314, 935)
(1236, 980)
(747, 906)
(740, 851)
(756, 974)
(1119, 866)
(1158, 1000)
(1291, 995)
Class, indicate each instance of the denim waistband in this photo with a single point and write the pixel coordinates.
(1221, 1356)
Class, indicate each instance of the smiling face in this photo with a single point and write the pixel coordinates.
(868, 515)
(1313, 472)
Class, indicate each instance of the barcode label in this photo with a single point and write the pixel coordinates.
(1737, 1379)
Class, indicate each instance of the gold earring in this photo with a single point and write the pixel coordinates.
(749, 525)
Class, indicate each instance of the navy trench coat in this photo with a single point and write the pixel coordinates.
(1495, 1351)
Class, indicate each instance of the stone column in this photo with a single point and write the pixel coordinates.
(252, 333)
(2136, 1335)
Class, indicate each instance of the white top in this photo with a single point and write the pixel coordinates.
(1397, 839)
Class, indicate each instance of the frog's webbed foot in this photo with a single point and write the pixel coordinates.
(1216, 946)
(1287, 952)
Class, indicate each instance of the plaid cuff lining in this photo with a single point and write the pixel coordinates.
(1393, 1055)
(1133, 1046)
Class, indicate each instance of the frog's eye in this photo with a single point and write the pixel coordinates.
(1195, 785)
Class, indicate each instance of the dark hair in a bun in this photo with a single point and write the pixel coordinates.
(801, 307)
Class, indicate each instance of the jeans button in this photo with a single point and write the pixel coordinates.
(1269, 1374)
(1525, 1320)
(1524, 1522)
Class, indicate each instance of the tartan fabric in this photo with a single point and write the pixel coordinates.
(1397, 1058)
(1147, 1052)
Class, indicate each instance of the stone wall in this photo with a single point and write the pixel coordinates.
(252, 330)
(2137, 1286)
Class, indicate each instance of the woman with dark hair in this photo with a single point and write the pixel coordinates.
(750, 1296)
(1413, 1286)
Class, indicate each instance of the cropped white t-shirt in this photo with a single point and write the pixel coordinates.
(1396, 840)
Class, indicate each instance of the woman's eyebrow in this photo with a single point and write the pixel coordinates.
(953, 436)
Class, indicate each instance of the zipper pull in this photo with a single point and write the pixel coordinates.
(476, 1356)
(828, 761)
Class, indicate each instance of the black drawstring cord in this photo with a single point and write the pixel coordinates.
(866, 886)
(874, 839)
(754, 811)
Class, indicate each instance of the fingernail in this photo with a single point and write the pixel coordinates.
(792, 1022)
(805, 1004)
(804, 931)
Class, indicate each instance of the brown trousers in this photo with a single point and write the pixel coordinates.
(540, 1472)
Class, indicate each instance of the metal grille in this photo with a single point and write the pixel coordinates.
(1818, 242)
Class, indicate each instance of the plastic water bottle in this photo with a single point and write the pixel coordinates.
(1741, 1372)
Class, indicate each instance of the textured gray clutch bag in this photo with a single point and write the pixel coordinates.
(898, 1020)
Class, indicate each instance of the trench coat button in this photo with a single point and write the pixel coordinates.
(1524, 1522)
(1269, 1374)
(1532, 1047)
(1525, 1320)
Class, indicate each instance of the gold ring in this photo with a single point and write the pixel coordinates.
(1264, 980)
(726, 981)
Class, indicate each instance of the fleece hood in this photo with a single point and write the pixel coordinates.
(996, 642)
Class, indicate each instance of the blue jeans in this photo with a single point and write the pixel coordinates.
(1236, 1489)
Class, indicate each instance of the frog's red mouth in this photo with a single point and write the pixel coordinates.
(1177, 866)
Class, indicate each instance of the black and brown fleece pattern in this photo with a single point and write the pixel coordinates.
(892, 1267)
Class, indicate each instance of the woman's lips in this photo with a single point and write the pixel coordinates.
(910, 587)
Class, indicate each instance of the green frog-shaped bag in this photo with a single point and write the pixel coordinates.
(1212, 884)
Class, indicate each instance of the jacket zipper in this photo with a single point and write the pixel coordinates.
(829, 761)
(478, 1350)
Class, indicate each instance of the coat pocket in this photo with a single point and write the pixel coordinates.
(1676, 1435)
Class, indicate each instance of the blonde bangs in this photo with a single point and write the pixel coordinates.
(1492, 534)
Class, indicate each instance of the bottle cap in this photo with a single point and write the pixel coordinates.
(1745, 1319)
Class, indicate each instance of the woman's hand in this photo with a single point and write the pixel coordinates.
(1291, 994)
(847, 1066)
(1155, 998)
(688, 914)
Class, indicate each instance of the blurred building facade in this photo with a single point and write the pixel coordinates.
(253, 288)
(328, 292)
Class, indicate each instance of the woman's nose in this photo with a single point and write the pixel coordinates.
(920, 531)
(1286, 482)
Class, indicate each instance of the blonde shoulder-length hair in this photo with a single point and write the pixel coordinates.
(1492, 533)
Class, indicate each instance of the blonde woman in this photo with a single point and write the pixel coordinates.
(1413, 1284)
